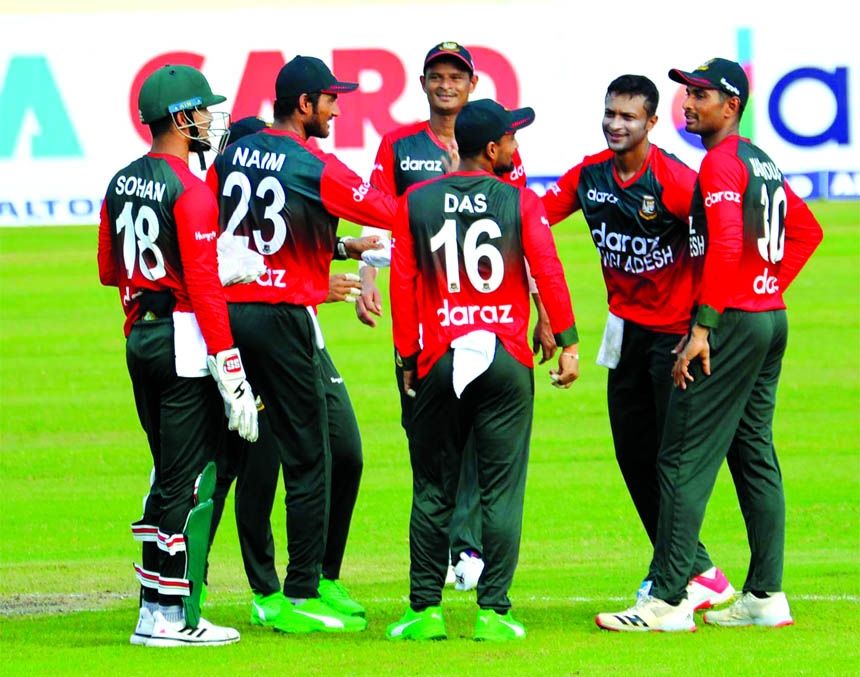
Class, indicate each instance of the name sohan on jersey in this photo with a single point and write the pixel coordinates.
(142, 188)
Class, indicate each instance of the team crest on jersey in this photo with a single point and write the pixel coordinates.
(648, 209)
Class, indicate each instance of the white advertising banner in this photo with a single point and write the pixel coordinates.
(69, 82)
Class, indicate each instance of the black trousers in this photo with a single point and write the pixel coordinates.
(257, 470)
(497, 410)
(465, 532)
(284, 367)
(637, 392)
(184, 422)
(727, 415)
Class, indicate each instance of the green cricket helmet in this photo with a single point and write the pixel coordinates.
(171, 89)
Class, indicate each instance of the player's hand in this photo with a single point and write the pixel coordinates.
(410, 382)
(543, 340)
(236, 263)
(568, 367)
(343, 287)
(688, 349)
(369, 302)
(227, 370)
(356, 246)
(451, 160)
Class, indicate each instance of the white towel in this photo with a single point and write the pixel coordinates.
(188, 346)
(473, 354)
(378, 258)
(610, 347)
(317, 329)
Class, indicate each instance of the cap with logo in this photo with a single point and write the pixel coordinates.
(485, 120)
(171, 89)
(450, 50)
(307, 74)
(722, 74)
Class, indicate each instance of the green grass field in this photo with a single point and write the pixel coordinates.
(74, 466)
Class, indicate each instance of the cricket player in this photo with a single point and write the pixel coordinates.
(636, 199)
(460, 311)
(259, 473)
(407, 156)
(283, 197)
(760, 235)
(157, 244)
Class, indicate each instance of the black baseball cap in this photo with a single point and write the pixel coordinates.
(450, 49)
(307, 74)
(485, 120)
(240, 128)
(722, 74)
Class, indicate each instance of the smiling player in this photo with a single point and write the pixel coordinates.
(636, 200)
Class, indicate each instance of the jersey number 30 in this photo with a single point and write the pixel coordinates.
(771, 236)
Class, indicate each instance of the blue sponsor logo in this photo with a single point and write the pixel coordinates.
(50, 211)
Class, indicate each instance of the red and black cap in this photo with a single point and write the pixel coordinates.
(485, 120)
(307, 74)
(722, 74)
(450, 50)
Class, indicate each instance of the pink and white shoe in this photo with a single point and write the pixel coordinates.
(708, 589)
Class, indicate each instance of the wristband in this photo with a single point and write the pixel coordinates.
(340, 253)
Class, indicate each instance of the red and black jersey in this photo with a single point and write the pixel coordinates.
(458, 265)
(158, 231)
(760, 234)
(411, 154)
(650, 254)
(284, 198)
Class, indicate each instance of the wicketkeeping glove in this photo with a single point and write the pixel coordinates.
(236, 263)
(227, 370)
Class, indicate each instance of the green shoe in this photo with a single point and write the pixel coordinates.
(313, 615)
(491, 627)
(335, 595)
(265, 608)
(427, 624)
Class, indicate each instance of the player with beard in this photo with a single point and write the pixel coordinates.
(254, 500)
(636, 199)
(157, 244)
(460, 313)
(283, 198)
(760, 235)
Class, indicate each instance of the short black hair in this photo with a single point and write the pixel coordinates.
(160, 126)
(725, 96)
(283, 108)
(473, 153)
(637, 85)
(457, 62)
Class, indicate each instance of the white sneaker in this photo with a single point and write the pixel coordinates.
(771, 612)
(450, 577)
(708, 589)
(468, 571)
(143, 631)
(166, 633)
(650, 615)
